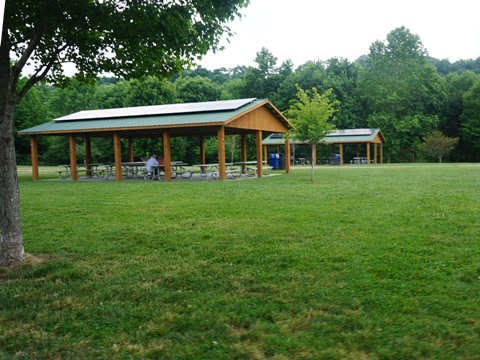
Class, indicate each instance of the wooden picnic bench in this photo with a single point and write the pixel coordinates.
(213, 170)
(65, 174)
(186, 174)
(252, 170)
(233, 173)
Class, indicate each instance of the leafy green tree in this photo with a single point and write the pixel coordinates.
(471, 120)
(436, 145)
(312, 74)
(403, 92)
(251, 85)
(336, 74)
(149, 91)
(264, 80)
(74, 97)
(342, 77)
(197, 89)
(124, 37)
(444, 67)
(60, 102)
(266, 62)
(111, 95)
(232, 89)
(457, 85)
(217, 76)
(232, 146)
(461, 66)
(31, 111)
(312, 118)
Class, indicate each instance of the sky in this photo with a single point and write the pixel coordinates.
(303, 30)
(2, 11)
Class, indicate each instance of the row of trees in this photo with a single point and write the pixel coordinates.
(396, 88)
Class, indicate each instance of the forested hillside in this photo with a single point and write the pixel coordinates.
(397, 87)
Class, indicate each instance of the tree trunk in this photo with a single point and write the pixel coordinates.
(313, 147)
(11, 240)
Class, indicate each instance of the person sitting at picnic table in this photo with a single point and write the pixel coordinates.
(151, 161)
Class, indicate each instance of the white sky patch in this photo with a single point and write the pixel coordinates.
(2, 11)
(305, 30)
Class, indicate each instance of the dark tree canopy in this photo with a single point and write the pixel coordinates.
(128, 38)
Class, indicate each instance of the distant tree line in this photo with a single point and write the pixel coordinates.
(397, 87)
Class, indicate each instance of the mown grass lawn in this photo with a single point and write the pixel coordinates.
(368, 262)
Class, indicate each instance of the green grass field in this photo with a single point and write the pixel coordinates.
(368, 262)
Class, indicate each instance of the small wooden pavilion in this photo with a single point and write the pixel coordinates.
(214, 118)
(367, 137)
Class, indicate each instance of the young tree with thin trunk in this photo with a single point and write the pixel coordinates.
(312, 119)
(128, 38)
(437, 145)
(232, 143)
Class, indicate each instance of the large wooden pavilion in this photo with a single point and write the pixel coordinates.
(215, 118)
(366, 137)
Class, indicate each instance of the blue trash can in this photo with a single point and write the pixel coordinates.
(334, 159)
(275, 161)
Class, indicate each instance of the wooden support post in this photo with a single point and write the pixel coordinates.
(117, 149)
(202, 150)
(88, 154)
(221, 154)
(131, 157)
(287, 156)
(375, 155)
(259, 154)
(368, 153)
(341, 154)
(34, 153)
(88, 150)
(73, 158)
(167, 156)
(243, 140)
(381, 153)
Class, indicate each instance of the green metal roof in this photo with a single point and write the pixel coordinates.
(336, 137)
(143, 121)
(146, 117)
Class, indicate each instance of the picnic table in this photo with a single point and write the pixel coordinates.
(89, 169)
(109, 171)
(132, 168)
(178, 168)
(252, 170)
(213, 170)
(359, 160)
(246, 165)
